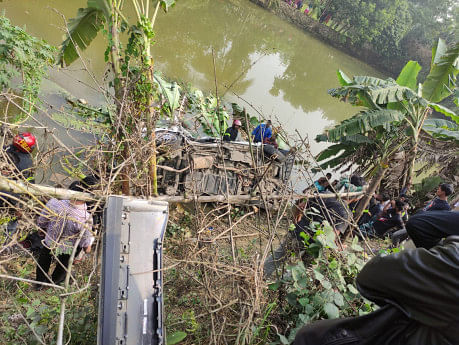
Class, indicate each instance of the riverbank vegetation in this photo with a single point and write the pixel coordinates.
(394, 119)
(395, 31)
(214, 253)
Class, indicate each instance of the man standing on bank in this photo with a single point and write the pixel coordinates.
(63, 221)
(262, 131)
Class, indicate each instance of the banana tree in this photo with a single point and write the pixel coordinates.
(368, 139)
(108, 14)
(402, 97)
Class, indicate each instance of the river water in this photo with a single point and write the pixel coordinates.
(282, 71)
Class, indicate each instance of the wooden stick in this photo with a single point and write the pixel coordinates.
(40, 190)
(19, 187)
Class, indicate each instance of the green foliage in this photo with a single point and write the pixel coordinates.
(210, 113)
(175, 338)
(433, 19)
(24, 56)
(391, 106)
(371, 20)
(166, 4)
(42, 309)
(170, 91)
(343, 78)
(81, 31)
(323, 289)
(409, 75)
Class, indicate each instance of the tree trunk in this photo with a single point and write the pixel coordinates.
(118, 86)
(374, 184)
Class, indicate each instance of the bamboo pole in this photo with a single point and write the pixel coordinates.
(19, 187)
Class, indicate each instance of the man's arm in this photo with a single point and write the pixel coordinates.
(43, 219)
(268, 133)
(87, 238)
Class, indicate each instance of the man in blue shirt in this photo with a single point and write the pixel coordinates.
(262, 131)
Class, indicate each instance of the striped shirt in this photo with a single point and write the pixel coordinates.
(63, 223)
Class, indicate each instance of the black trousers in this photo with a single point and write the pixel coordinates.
(44, 263)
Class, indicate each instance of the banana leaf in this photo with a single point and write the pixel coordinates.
(81, 31)
(343, 78)
(441, 80)
(166, 4)
(391, 94)
(442, 129)
(409, 75)
(445, 111)
(170, 91)
(363, 123)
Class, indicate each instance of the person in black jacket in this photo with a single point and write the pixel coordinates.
(417, 291)
(18, 165)
(232, 133)
(392, 220)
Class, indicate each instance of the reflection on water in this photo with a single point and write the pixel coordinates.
(279, 69)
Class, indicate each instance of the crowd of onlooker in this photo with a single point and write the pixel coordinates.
(384, 215)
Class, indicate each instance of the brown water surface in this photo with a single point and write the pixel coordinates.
(281, 70)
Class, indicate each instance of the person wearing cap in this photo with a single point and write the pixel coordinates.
(262, 131)
(232, 133)
(18, 164)
(440, 203)
(18, 153)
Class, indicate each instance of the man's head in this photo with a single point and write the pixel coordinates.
(24, 142)
(399, 205)
(329, 176)
(405, 199)
(268, 123)
(382, 197)
(85, 185)
(323, 181)
(444, 190)
(237, 124)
